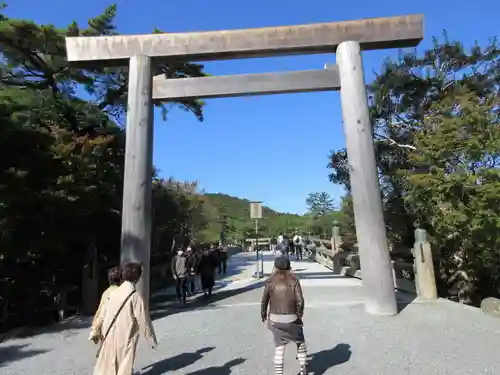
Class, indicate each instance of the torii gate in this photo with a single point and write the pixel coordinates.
(347, 39)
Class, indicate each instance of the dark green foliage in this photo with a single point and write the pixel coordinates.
(61, 169)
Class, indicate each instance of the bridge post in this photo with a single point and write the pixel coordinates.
(336, 238)
(425, 278)
(376, 270)
(137, 188)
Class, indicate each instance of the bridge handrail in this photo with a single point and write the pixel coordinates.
(320, 242)
(347, 263)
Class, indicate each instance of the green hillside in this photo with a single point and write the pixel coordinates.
(235, 213)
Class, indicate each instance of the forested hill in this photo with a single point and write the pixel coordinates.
(237, 207)
(236, 213)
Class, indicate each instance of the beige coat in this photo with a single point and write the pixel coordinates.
(95, 331)
(118, 350)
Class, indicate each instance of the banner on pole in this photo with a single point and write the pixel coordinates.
(256, 210)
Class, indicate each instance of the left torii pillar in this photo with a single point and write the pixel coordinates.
(137, 186)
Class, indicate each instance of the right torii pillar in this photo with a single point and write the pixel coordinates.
(376, 268)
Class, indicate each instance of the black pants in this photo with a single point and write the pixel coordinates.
(298, 251)
(181, 288)
(191, 287)
(208, 294)
(224, 266)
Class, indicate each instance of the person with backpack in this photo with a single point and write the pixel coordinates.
(298, 245)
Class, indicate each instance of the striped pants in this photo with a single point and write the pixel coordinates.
(279, 358)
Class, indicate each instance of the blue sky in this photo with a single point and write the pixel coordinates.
(249, 147)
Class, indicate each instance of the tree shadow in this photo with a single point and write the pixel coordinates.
(13, 353)
(322, 361)
(75, 322)
(225, 369)
(175, 363)
(69, 326)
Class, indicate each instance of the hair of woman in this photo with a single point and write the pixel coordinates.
(282, 269)
(131, 272)
(114, 276)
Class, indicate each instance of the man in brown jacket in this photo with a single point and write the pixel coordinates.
(283, 295)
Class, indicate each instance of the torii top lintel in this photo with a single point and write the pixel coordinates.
(371, 33)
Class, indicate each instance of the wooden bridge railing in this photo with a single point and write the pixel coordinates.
(417, 277)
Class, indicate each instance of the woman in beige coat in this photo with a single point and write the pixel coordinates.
(114, 279)
(124, 319)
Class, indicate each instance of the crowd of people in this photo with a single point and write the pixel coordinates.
(195, 267)
(122, 315)
(289, 246)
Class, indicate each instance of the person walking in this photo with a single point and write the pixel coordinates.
(180, 273)
(197, 256)
(282, 307)
(125, 318)
(283, 247)
(207, 268)
(291, 248)
(298, 245)
(217, 251)
(114, 280)
(224, 257)
(191, 271)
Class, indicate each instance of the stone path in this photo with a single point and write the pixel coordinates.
(226, 336)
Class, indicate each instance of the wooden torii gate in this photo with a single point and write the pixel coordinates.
(346, 39)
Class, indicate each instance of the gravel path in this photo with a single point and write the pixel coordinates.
(226, 336)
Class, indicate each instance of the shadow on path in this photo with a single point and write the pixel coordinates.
(13, 353)
(165, 306)
(236, 266)
(319, 275)
(175, 363)
(404, 299)
(225, 369)
(322, 361)
(159, 311)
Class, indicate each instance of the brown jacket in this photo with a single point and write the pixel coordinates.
(283, 294)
